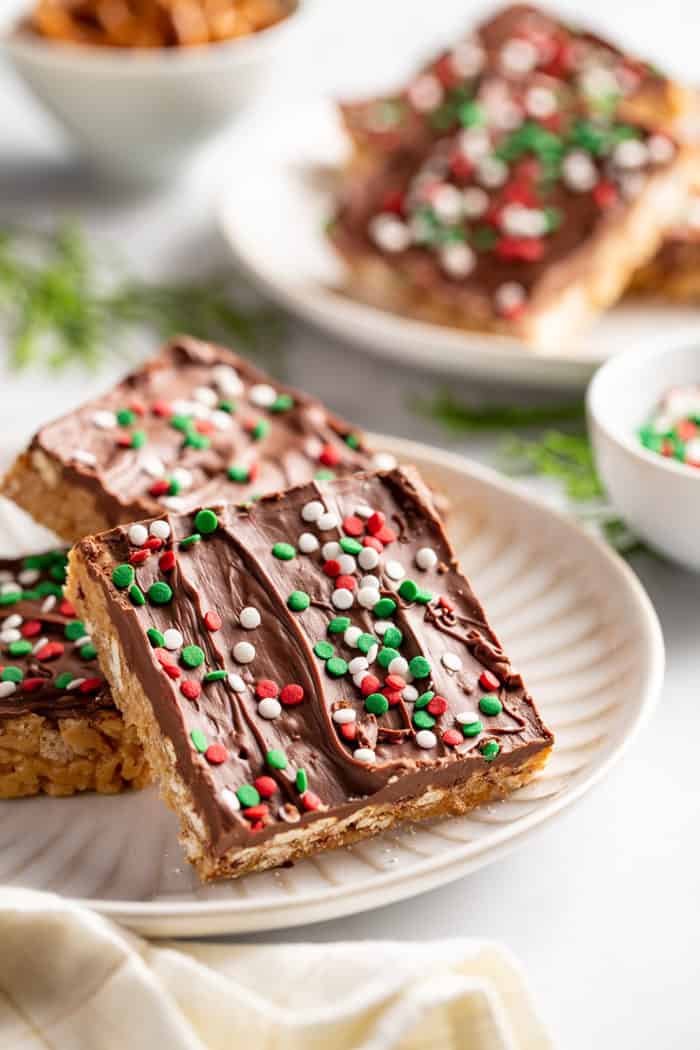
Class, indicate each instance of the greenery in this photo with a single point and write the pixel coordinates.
(60, 305)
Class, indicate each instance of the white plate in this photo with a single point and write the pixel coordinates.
(572, 616)
(272, 214)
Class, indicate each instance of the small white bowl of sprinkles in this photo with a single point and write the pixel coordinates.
(644, 419)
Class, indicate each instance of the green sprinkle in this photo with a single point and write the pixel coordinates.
(339, 624)
(419, 667)
(192, 656)
(260, 430)
(12, 674)
(365, 643)
(46, 587)
(424, 699)
(227, 406)
(276, 759)
(238, 474)
(423, 720)
(125, 417)
(377, 704)
(189, 541)
(198, 739)
(336, 667)
(58, 572)
(88, 652)
(471, 114)
(31, 596)
(490, 749)
(384, 607)
(74, 630)
(138, 439)
(174, 487)
(324, 474)
(248, 795)
(408, 590)
(123, 576)
(136, 595)
(324, 650)
(282, 403)
(215, 676)
(160, 593)
(182, 423)
(298, 601)
(490, 704)
(155, 638)
(472, 728)
(424, 597)
(206, 521)
(62, 680)
(350, 545)
(392, 637)
(284, 551)
(10, 599)
(19, 648)
(196, 440)
(352, 441)
(301, 780)
(386, 655)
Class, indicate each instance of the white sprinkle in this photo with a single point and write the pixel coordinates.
(447, 203)
(368, 597)
(389, 233)
(384, 461)
(381, 626)
(84, 639)
(457, 259)
(183, 407)
(74, 684)
(88, 459)
(363, 511)
(351, 636)
(227, 379)
(39, 645)
(467, 58)
(230, 799)
(152, 465)
(426, 738)
(598, 81)
(541, 102)
(104, 419)
(243, 652)
(359, 678)
(344, 715)
(451, 661)
(519, 221)
(269, 708)
(175, 503)
(475, 202)
(342, 598)
(410, 693)
(426, 558)
(183, 477)
(138, 534)
(331, 550)
(307, 543)
(263, 395)
(425, 93)
(205, 395)
(327, 521)
(372, 653)
(518, 57)
(466, 718)
(221, 420)
(10, 634)
(365, 754)
(579, 172)
(630, 154)
(394, 570)
(370, 581)
(28, 576)
(492, 172)
(249, 618)
(661, 149)
(15, 620)
(10, 588)
(632, 183)
(5, 575)
(159, 529)
(7, 689)
(508, 297)
(312, 511)
(347, 564)
(398, 666)
(48, 603)
(172, 638)
(368, 558)
(474, 143)
(289, 813)
(237, 683)
(357, 664)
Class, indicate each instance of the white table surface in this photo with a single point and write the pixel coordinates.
(601, 907)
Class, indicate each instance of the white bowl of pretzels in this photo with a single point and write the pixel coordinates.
(141, 85)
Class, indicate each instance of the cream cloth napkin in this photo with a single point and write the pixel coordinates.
(71, 980)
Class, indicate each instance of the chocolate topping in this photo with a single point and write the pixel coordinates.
(289, 705)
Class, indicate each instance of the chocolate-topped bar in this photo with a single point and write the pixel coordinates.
(195, 424)
(674, 272)
(307, 670)
(60, 732)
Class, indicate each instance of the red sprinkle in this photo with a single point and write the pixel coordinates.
(212, 621)
(50, 651)
(437, 706)
(330, 456)
(348, 583)
(310, 800)
(259, 825)
(370, 684)
(139, 557)
(204, 426)
(216, 754)
(138, 407)
(375, 522)
(462, 167)
(258, 814)
(66, 609)
(393, 696)
(124, 441)
(153, 543)
(349, 730)
(253, 471)
(30, 685)
(166, 562)
(687, 429)
(265, 786)
(525, 249)
(91, 685)
(292, 694)
(190, 689)
(266, 689)
(605, 194)
(332, 567)
(30, 628)
(489, 681)
(161, 408)
(395, 681)
(373, 542)
(172, 670)
(452, 737)
(446, 603)
(386, 535)
(159, 488)
(353, 526)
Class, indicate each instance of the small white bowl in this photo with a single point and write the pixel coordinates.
(658, 497)
(140, 115)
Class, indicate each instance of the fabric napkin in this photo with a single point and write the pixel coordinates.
(71, 980)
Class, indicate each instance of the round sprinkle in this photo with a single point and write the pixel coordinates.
(292, 694)
(298, 601)
(172, 638)
(357, 664)
(7, 689)
(206, 521)
(123, 576)
(386, 655)
(159, 529)
(307, 543)
(424, 699)
(283, 551)
(368, 597)
(216, 754)
(301, 781)
(451, 661)
(212, 621)
(384, 607)
(409, 590)
(419, 667)
(136, 595)
(423, 720)
(331, 550)
(490, 749)
(269, 708)
(426, 558)
(365, 755)
(490, 705)
(366, 642)
(368, 559)
(249, 618)
(344, 716)
(276, 759)
(160, 593)
(199, 740)
(336, 667)
(215, 676)
(88, 652)
(230, 800)
(338, 625)
(192, 656)
(138, 534)
(243, 652)
(342, 598)
(393, 637)
(190, 690)
(410, 693)
(324, 650)
(263, 395)
(352, 636)
(472, 728)
(74, 630)
(376, 704)
(312, 511)
(327, 521)
(248, 796)
(394, 570)
(11, 674)
(398, 666)
(426, 739)
(237, 683)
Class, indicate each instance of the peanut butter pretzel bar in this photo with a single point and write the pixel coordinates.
(60, 732)
(306, 671)
(195, 424)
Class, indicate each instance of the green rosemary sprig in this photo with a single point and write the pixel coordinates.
(458, 416)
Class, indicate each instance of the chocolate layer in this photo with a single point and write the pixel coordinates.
(431, 695)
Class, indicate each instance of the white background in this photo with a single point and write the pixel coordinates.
(602, 907)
